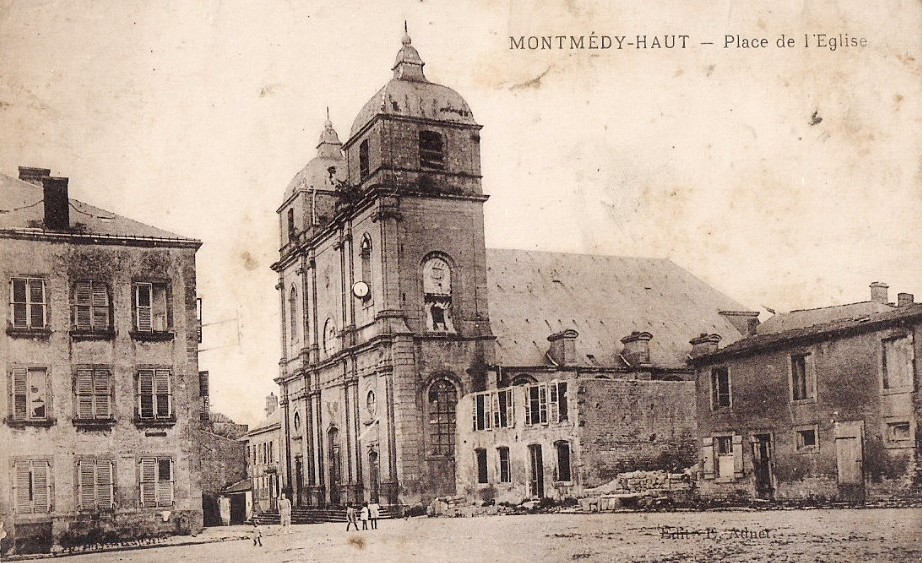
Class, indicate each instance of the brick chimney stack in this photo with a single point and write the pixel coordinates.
(904, 299)
(33, 175)
(57, 205)
(879, 292)
(704, 344)
(272, 403)
(636, 350)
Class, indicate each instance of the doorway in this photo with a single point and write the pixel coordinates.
(373, 475)
(850, 460)
(762, 465)
(536, 471)
(335, 466)
(299, 481)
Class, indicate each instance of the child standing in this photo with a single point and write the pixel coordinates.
(257, 533)
(363, 515)
(350, 517)
(374, 510)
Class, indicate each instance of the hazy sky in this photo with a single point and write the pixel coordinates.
(784, 177)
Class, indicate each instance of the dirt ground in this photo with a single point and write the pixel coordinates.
(780, 535)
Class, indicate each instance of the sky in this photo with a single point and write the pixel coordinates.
(785, 177)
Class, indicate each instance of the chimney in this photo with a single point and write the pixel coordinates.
(57, 206)
(904, 299)
(636, 351)
(33, 175)
(563, 347)
(879, 292)
(704, 344)
(745, 322)
(272, 403)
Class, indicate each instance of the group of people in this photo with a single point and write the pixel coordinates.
(368, 512)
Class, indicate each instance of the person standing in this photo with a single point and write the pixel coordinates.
(285, 513)
(350, 517)
(363, 515)
(257, 533)
(374, 511)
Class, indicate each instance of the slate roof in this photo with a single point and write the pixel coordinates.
(22, 210)
(604, 298)
(808, 317)
(824, 331)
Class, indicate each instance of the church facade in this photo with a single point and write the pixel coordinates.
(389, 304)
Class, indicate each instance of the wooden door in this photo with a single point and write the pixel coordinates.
(850, 460)
(536, 477)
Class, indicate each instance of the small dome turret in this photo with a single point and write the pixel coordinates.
(325, 169)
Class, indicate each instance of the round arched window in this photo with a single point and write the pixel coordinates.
(371, 403)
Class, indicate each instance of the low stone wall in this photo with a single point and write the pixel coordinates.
(636, 488)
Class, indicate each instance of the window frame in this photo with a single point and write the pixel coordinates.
(28, 303)
(96, 371)
(158, 374)
(716, 395)
(158, 489)
(364, 159)
(809, 377)
(431, 149)
(504, 463)
(482, 464)
(17, 506)
(140, 328)
(889, 441)
(561, 476)
(99, 298)
(885, 386)
(799, 445)
(540, 396)
(441, 427)
(23, 371)
(95, 463)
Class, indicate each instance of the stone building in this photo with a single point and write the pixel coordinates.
(100, 371)
(823, 404)
(393, 309)
(263, 449)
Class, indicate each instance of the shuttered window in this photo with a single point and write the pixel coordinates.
(91, 306)
(30, 394)
(155, 394)
(151, 312)
(546, 402)
(27, 303)
(93, 388)
(95, 484)
(32, 487)
(156, 480)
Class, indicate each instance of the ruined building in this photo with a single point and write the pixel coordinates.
(100, 368)
(398, 325)
(821, 403)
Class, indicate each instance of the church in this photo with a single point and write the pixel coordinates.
(416, 363)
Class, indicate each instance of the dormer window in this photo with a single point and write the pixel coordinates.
(363, 159)
(430, 150)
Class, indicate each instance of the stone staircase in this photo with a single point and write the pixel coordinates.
(312, 515)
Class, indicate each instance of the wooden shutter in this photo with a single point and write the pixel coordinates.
(105, 484)
(148, 481)
(83, 305)
(102, 393)
(100, 306)
(542, 403)
(36, 303)
(86, 484)
(553, 406)
(22, 488)
(164, 482)
(510, 408)
(737, 455)
(528, 413)
(20, 392)
(143, 299)
(707, 458)
(146, 393)
(19, 303)
(84, 388)
(41, 487)
(563, 407)
(162, 389)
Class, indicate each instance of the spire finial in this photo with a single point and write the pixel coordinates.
(406, 34)
(328, 124)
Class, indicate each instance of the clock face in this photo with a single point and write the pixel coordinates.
(360, 289)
